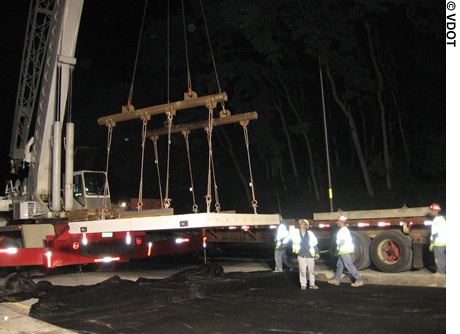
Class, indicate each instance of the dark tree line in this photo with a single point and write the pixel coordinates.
(383, 71)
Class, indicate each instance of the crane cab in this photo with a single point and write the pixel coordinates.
(91, 190)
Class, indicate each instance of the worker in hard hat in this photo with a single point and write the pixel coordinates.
(305, 245)
(345, 248)
(438, 240)
(282, 240)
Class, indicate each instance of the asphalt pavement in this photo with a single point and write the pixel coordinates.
(15, 316)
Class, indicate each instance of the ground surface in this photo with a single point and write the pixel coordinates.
(207, 301)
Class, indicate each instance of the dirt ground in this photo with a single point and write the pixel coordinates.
(206, 300)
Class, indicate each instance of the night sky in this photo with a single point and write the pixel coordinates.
(252, 49)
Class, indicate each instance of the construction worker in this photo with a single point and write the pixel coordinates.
(438, 240)
(282, 239)
(345, 248)
(304, 244)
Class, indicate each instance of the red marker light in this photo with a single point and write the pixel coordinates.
(204, 241)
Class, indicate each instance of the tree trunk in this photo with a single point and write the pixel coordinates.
(386, 154)
(229, 149)
(307, 141)
(401, 129)
(354, 132)
(288, 139)
(279, 165)
(363, 121)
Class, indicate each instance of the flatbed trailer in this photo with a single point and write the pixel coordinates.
(116, 240)
(391, 239)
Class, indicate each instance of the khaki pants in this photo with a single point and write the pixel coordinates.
(306, 265)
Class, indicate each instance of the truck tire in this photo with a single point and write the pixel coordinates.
(391, 252)
(361, 257)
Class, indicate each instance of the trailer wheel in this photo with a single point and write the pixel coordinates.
(361, 257)
(391, 252)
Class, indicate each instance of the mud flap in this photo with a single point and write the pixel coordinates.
(418, 255)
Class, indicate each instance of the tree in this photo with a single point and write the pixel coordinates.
(386, 154)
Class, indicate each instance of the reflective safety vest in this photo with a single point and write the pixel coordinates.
(344, 236)
(282, 235)
(439, 228)
(296, 237)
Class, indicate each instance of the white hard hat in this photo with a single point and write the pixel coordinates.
(305, 221)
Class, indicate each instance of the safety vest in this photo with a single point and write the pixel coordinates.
(344, 235)
(439, 228)
(282, 235)
(296, 237)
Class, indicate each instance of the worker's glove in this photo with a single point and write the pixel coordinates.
(317, 257)
(431, 247)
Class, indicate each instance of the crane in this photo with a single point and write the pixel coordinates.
(43, 95)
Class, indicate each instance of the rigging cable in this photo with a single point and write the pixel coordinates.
(325, 136)
(210, 126)
(167, 200)
(192, 189)
(167, 52)
(217, 205)
(106, 186)
(209, 135)
(155, 147)
(212, 54)
(137, 56)
(141, 183)
(246, 139)
(189, 79)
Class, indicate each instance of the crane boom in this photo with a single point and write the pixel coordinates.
(34, 51)
(48, 60)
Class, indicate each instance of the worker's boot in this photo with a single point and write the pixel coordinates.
(438, 275)
(333, 282)
(356, 284)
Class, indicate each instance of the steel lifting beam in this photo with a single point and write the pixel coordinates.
(208, 100)
(246, 117)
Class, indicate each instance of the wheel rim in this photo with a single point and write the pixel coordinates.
(389, 251)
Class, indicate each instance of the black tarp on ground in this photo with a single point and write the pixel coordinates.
(16, 288)
(206, 300)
